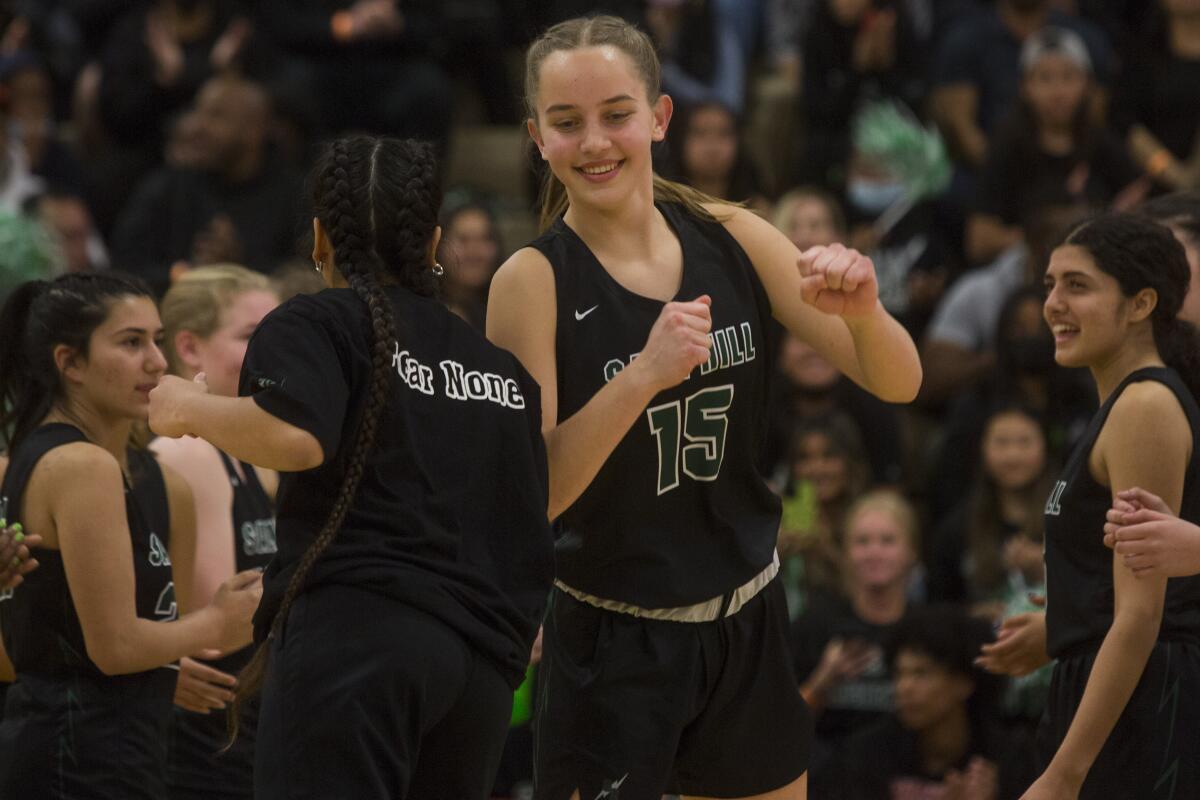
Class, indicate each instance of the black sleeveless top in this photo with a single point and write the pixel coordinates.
(39, 623)
(199, 760)
(70, 731)
(679, 513)
(1079, 584)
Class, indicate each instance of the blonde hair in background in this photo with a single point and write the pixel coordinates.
(785, 209)
(599, 32)
(894, 505)
(196, 301)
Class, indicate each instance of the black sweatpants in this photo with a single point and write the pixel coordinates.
(368, 698)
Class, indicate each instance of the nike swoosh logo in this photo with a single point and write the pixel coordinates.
(580, 315)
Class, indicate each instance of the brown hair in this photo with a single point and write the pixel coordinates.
(195, 303)
(599, 32)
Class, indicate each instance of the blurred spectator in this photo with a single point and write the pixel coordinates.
(471, 253)
(810, 388)
(701, 53)
(369, 64)
(1025, 374)
(1180, 212)
(855, 51)
(827, 471)
(296, 277)
(810, 216)
(977, 75)
(896, 167)
(154, 62)
(66, 218)
(231, 205)
(838, 643)
(958, 349)
(1157, 104)
(969, 558)
(28, 94)
(475, 48)
(1052, 151)
(943, 741)
(707, 153)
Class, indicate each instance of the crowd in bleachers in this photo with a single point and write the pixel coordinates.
(952, 140)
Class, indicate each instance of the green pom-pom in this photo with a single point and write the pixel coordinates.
(890, 134)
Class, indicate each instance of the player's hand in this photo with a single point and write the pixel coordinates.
(15, 559)
(842, 660)
(678, 343)
(201, 688)
(838, 280)
(1020, 646)
(168, 404)
(1150, 539)
(236, 601)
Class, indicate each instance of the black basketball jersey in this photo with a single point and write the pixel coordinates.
(1079, 584)
(70, 731)
(200, 761)
(679, 513)
(40, 626)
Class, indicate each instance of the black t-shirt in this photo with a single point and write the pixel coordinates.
(855, 703)
(883, 762)
(1017, 179)
(1079, 582)
(679, 513)
(1161, 92)
(450, 516)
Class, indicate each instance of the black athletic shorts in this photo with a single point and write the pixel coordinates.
(366, 697)
(1153, 752)
(631, 708)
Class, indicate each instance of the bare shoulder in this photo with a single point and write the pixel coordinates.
(737, 220)
(185, 454)
(1148, 410)
(528, 268)
(76, 464)
(178, 489)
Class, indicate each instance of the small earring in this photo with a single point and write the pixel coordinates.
(438, 269)
(319, 266)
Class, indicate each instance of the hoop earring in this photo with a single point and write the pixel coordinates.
(438, 269)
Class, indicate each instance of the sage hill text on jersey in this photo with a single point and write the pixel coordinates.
(731, 346)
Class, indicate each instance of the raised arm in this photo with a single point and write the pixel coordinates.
(81, 487)
(829, 297)
(1146, 442)
(521, 318)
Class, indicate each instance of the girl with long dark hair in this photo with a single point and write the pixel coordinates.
(92, 633)
(1123, 698)
(414, 553)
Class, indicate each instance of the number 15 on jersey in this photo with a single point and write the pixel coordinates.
(702, 420)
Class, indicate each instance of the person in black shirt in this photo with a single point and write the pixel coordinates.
(647, 313)
(92, 633)
(414, 553)
(1123, 644)
(208, 317)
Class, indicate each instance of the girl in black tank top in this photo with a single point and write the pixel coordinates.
(646, 311)
(208, 317)
(1125, 697)
(93, 633)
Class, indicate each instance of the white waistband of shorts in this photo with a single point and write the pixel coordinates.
(706, 611)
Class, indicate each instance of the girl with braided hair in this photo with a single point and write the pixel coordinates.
(92, 633)
(648, 314)
(1125, 694)
(414, 553)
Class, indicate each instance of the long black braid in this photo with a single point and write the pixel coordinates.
(378, 200)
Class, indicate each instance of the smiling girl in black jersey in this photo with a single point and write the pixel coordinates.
(647, 314)
(414, 551)
(1125, 697)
